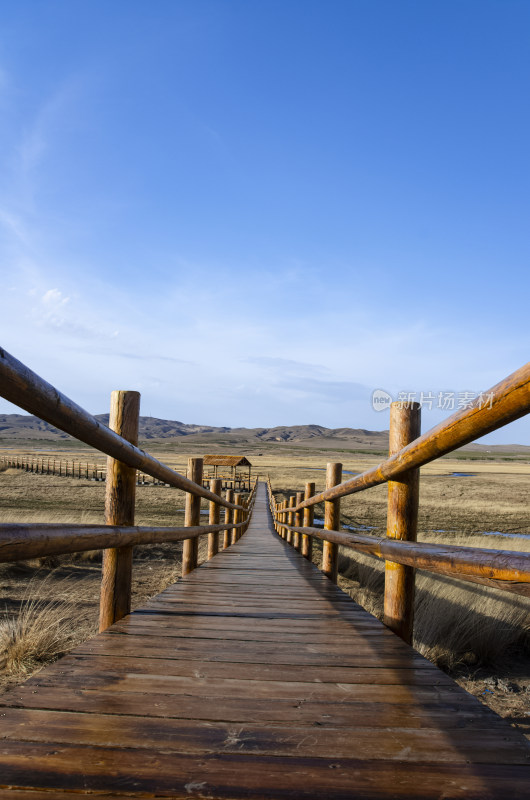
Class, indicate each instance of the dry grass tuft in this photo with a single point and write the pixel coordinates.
(456, 623)
(43, 628)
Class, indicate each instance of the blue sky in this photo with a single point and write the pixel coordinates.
(255, 213)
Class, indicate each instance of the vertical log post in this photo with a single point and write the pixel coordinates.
(214, 519)
(402, 521)
(298, 523)
(330, 553)
(243, 517)
(309, 513)
(227, 536)
(290, 519)
(192, 516)
(120, 493)
(237, 517)
(248, 503)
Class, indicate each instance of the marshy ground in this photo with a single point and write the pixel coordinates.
(480, 635)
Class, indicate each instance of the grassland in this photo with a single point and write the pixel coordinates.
(480, 635)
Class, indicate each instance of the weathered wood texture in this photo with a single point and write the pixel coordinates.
(402, 522)
(238, 517)
(307, 522)
(192, 517)
(120, 494)
(330, 551)
(214, 518)
(253, 677)
(504, 569)
(20, 541)
(298, 519)
(229, 518)
(290, 517)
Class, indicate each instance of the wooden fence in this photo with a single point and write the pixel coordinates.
(88, 470)
(507, 401)
(116, 537)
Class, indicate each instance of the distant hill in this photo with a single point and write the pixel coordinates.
(22, 426)
(18, 428)
(15, 427)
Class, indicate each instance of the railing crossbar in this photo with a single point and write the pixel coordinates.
(21, 541)
(508, 570)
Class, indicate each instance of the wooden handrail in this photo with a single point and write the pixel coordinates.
(20, 541)
(506, 401)
(504, 569)
(26, 389)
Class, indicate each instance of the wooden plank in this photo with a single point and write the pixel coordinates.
(448, 715)
(80, 671)
(225, 775)
(196, 737)
(298, 691)
(81, 664)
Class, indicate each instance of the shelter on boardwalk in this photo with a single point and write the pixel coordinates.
(234, 463)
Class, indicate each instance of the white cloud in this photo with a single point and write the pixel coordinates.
(54, 298)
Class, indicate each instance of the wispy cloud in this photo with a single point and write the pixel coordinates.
(56, 312)
(330, 391)
(40, 132)
(281, 365)
(148, 358)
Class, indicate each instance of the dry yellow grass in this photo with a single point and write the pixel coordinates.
(456, 623)
(47, 623)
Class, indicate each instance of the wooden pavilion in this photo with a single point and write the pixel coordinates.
(235, 463)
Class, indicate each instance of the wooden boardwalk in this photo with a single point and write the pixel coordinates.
(254, 677)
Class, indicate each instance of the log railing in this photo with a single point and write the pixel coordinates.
(509, 570)
(116, 538)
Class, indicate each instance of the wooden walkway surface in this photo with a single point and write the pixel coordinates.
(254, 677)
